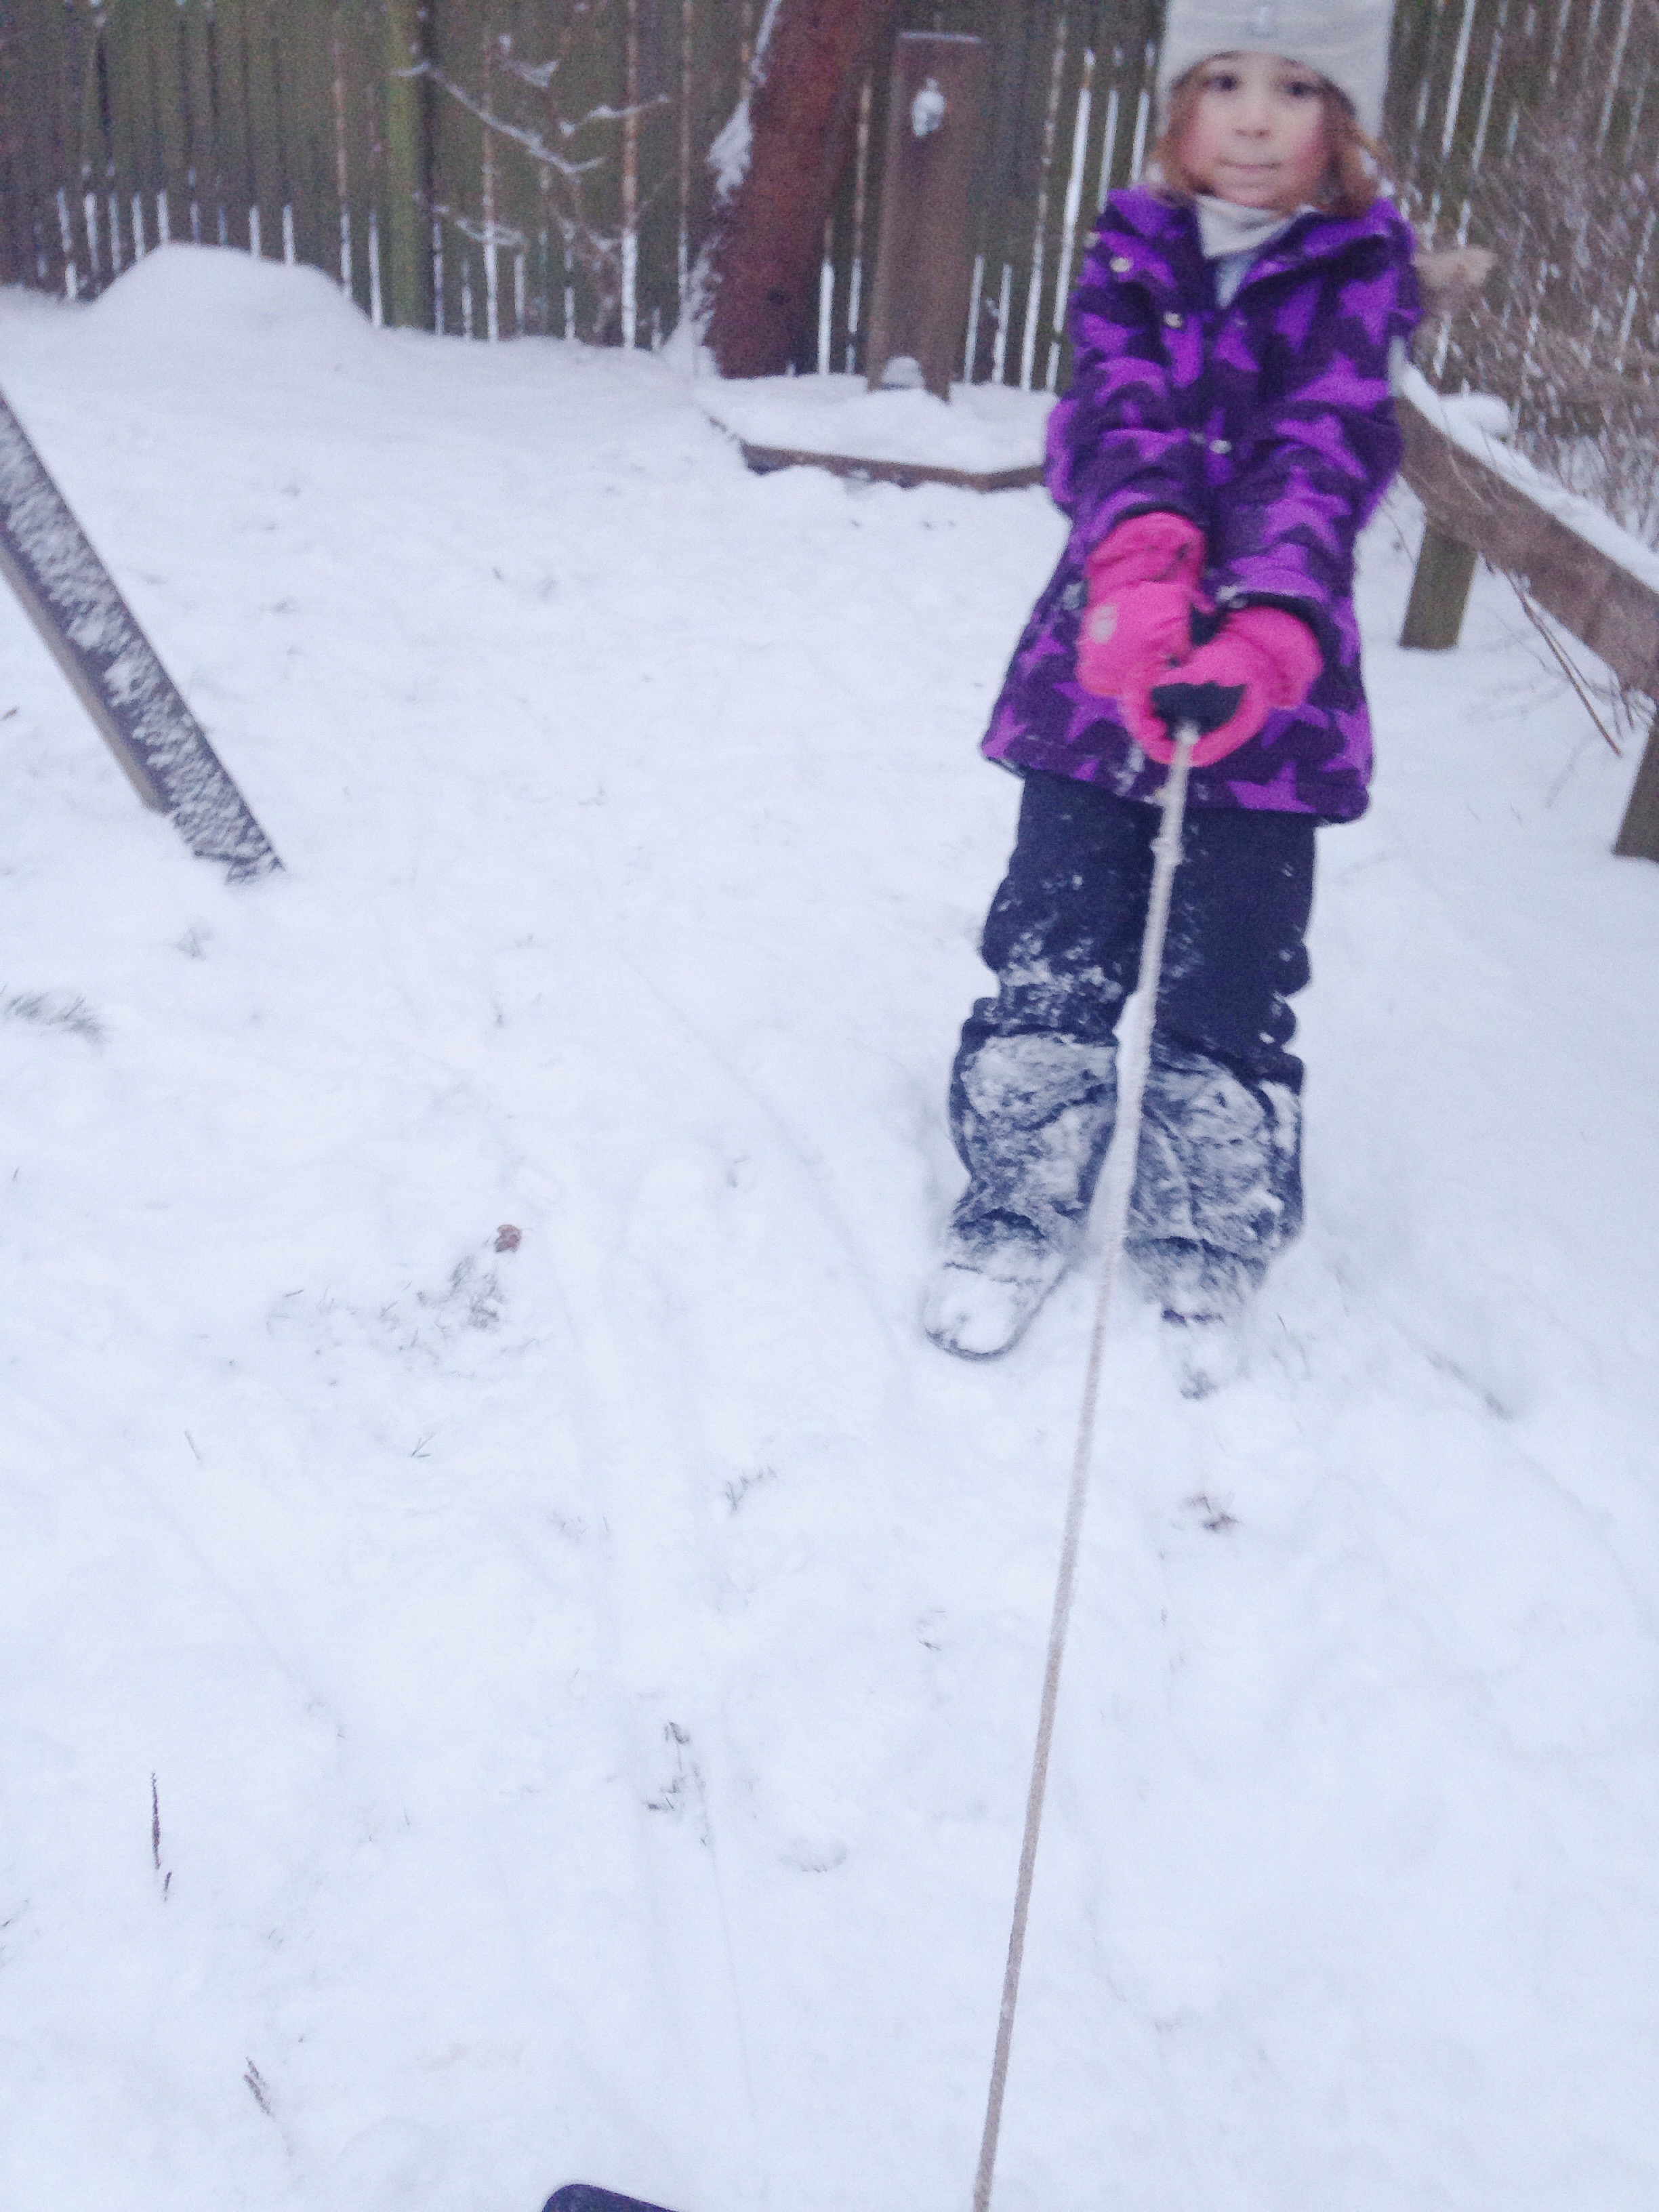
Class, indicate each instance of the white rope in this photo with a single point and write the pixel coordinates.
(1134, 1063)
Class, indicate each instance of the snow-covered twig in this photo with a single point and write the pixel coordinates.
(505, 236)
(532, 141)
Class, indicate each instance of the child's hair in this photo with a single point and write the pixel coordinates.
(1352, 182)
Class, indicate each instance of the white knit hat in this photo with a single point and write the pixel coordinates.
(1346, 40)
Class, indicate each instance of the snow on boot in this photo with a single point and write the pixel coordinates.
(1220, 1159)
(1032, 1116)
(1204, 1294)
(1206, 1352)
(1218, 1193)
(985, 1294)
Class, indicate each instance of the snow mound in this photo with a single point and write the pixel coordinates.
(984, 428)
(180, 297)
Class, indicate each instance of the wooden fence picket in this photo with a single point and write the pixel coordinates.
(29, 158)
(362, 71)
(657, 89)
(40, 143)
(384, 126)
(203, 180)
(307, 104)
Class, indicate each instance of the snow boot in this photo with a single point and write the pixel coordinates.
(1218, 1193)
(1032, 1116)
(985, 1295)
(1204, 1294)
(1220, 1162)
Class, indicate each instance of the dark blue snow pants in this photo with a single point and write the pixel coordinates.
(1034, 1091)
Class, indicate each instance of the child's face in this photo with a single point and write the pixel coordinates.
(1258, 134)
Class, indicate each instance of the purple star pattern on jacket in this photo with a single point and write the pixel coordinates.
(1271, 425)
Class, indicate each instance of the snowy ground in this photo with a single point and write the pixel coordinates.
(588, 1689)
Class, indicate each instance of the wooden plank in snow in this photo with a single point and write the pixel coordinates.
(765, 459)
(90, 631)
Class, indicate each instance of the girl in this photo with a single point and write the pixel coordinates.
(1229, 429)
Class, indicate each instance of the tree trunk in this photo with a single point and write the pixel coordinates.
(767, 245)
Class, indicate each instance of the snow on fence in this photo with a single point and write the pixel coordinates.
(491, 166)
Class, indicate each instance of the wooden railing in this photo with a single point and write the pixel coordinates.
(1601, 586)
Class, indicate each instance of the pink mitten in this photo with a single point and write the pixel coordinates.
(1268, 654)
(1141, 586)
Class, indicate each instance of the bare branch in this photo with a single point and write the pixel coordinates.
(531, 141)
(1564, 660)
(541, 75)
(618, 114)
(515, 103)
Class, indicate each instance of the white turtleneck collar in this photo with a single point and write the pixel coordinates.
(1226, 229)
(1232, 238)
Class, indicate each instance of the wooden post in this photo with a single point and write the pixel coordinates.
(406, 258)
(1639, 840)
(1440, 593)
(767, 250)
(925, 260)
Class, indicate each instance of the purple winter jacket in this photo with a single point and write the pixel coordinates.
(1271, 425)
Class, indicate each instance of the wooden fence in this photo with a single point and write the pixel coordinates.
(491, 166)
